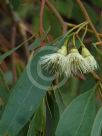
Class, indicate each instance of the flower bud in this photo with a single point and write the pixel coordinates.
(92, 64)
(85, 52)
(74, 50)
(63, 50)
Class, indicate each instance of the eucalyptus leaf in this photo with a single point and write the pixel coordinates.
(52, 114)
(97, 126)
(65, 94)
(63, 8)
(8, 53)
(24, 99)
(38, 41)
(99, 51)
(78, 117)
(98, 3)
(37, 124)
(15, 3)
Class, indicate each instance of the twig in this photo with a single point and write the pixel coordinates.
(56, 13)
(41, 16)
(4, 41)
(88, 29)
(88, 19)
(13, 55)
(97, 77)
(22, 30)
(98, 43)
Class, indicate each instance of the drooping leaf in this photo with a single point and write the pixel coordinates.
(99, 51)
(37, 124)
(77, 119)
(52, 114)
(86, 84)
(4, 91)
(23, 132)
(34, 45)
(38, 41)
(66, 93)
(25, 98)
(91, 13)
(4, 94)
(51, 20)
(78, 15)
(15, 4)
(64, 8)
(97, 126)
(98, 3)
(8, 53)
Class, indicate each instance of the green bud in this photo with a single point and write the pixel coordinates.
(74, 50)
(85, 52)
(63, 50)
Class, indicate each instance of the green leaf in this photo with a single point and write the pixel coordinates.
(15, 3)
(97, 126)
(64, 7)
(37, 124)
(51, 20)
(86, 84)
(8, 53)
(4, 91)
(66, 93)
(91, 13)
(34, 45)
(52, 114)
(99, 51)
(98, 3)
(4, 94)
(78, 15)
(38, 41)
(78, 117)
(24, 99)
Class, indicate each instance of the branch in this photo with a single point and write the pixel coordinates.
(22, 30)
(88, 19)
(97, 77)
(56, 13)
(41, 16)
(89, 30)
(13, 55)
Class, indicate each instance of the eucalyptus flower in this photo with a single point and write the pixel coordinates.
(74, 63)
(92, 64)
(53, 62)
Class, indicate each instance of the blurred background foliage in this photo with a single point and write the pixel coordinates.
(25, 15)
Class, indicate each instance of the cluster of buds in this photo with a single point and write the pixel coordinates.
(70, 63)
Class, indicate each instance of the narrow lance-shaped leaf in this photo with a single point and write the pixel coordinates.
(38, 41)
(24, 99)
(52, 114)
(34, 45)
(15, 4)
(78, 117)
(97, 126)
(99, 51)
(37, 124)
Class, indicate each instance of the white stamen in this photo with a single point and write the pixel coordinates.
(92, 64)
(74, 63)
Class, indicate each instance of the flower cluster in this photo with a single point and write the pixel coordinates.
(70, 64)
(54, 62)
